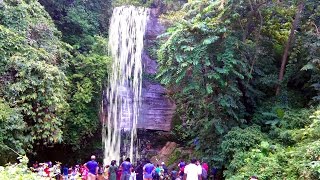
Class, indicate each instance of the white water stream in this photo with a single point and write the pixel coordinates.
(126, 32)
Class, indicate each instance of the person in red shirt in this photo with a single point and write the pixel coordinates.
(119, 173)
(47, 170)
(205, 166)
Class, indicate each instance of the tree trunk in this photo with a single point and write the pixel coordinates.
(286, 50)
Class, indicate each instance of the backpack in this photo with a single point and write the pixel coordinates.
(204, 173)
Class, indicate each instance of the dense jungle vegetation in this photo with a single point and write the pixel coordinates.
(245, 76)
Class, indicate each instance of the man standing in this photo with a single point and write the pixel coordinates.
(126, 167)
(92, 167)
(65, 172)
(139, 171)
(148, 169)
(181, 166)
(192, 171)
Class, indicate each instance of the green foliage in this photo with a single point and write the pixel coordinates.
(17, 171)
(220, 61)
(80, 17)
(12, 127)
(174, 157)
(88, 75)
(56, 95)
(32, 77)
(200, 61)
(240, 140)
(80, 20)
(298, 160)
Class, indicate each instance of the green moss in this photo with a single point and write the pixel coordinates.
(175, 156)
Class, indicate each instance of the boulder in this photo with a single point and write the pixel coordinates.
(165, 153)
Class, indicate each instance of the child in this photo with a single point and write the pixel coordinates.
(84, 174)
(73, 174)
(133, 175)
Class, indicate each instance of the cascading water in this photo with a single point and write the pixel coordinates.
(126, 32)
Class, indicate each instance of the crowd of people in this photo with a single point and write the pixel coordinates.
(143, 170)
(66, 172)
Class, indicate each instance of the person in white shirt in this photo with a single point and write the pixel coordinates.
(192, 171)
(199, 166)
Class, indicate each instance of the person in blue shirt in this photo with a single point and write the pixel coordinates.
(92, 167)
(157, 172)
(148, 169)
(126, 169)
(65, 171)
(173, 174)
(181, 166)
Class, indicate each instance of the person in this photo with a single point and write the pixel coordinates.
(205, 166)
(35, 166)
(46, 170)
(126, 167)
(181, 166)
(113, 170)
(50, 164)
(192, 171)
(100, 172)
(161, 174)
(119, 172)
(165, 169)
(57, 171)
(81, 169)
(214, 172)
(205, 170)
(200, 169)
(147, 170)
(65, 172)
(173, 174)
(92, 167)
(106, 172)
(41, 169)
(84, 173)
(157, 172)
(133, 175)
(139, 170)
(73, 174)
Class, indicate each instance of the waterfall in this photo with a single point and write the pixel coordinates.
(126, 32)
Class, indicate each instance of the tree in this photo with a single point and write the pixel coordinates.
(200, 61)
(288, 44)
(32, 62)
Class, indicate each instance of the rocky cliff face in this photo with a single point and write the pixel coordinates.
(157, 109)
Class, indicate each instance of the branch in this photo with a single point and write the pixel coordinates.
(257, 39)
(316, 27)
(14, 151)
